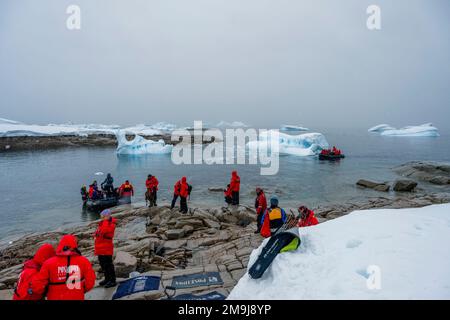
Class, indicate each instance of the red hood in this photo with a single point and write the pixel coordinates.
(45, 252)
(31, 264)
(183, 180)
(234, 173)
(70, 242)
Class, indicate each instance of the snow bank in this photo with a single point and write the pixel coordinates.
(424, 130)
(410, 247)
(288, 127)
(10, 128)
(306, 144)
(140, 145)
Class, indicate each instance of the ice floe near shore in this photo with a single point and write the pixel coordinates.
(306, 144)
(234, 124)
(424, 130)
(139, 145)
(367, 254)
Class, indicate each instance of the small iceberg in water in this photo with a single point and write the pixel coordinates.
(306, 144)
(424, 130)
(140, 145)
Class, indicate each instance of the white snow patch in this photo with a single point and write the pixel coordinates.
(306, 144)
(424, 130)
(333, 259)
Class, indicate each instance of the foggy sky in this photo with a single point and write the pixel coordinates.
(264, 62)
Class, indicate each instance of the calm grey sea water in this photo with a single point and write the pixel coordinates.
(40, 190)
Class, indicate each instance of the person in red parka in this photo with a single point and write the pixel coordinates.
(104, 247)
(176, 193)
(31, 268)
(152, 188)
(66, 276)
(184, 193)
(235, 185)
(307, 217)
(260, 206)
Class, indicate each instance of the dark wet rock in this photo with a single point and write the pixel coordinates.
(215, 189)
(384, 187)
(405, 185)
(431, 171)
(175, 234)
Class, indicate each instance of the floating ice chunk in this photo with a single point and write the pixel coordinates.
(140, 145)
(424, 130)
(339, 259)
(288, 127)
(3, 120)
(306, 144)
(99, 173)
(380, 128)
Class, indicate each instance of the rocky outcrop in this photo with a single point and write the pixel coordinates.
(405, 185)
(158, 241)
(384, 187)
(431, 171)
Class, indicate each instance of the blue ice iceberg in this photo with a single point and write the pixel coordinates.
(306, 144)
(140, 145)
(424, 130)
(288, 127)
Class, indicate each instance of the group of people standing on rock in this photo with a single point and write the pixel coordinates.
(64, 273)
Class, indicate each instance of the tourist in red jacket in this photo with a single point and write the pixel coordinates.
(176, 193)
(152, 189)
(31, 269)
(104, 247)
(66, 276)
(260, 206)
(235, 185)
(307, 217)
(184, 193)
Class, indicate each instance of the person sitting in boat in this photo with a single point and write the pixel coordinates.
(334, 150)
(107, 185)
(307, 217)
(324, 152)
(94, 193)
(126, 190)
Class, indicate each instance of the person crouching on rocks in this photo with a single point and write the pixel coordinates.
(66, 276)
(272, 219)
(227, 194)
(31, 269)
(307, 217)
(104, 247)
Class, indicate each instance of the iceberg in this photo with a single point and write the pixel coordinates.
(424, 130)
(140, 145)
(234, 124)
(306, 144)
(341, 258)
(288, 127)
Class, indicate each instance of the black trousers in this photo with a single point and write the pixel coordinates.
(258, 220)
(154, 196)
(228, 200)
(235, 197)
(183, 205)
(174, 201)
(106, 263)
